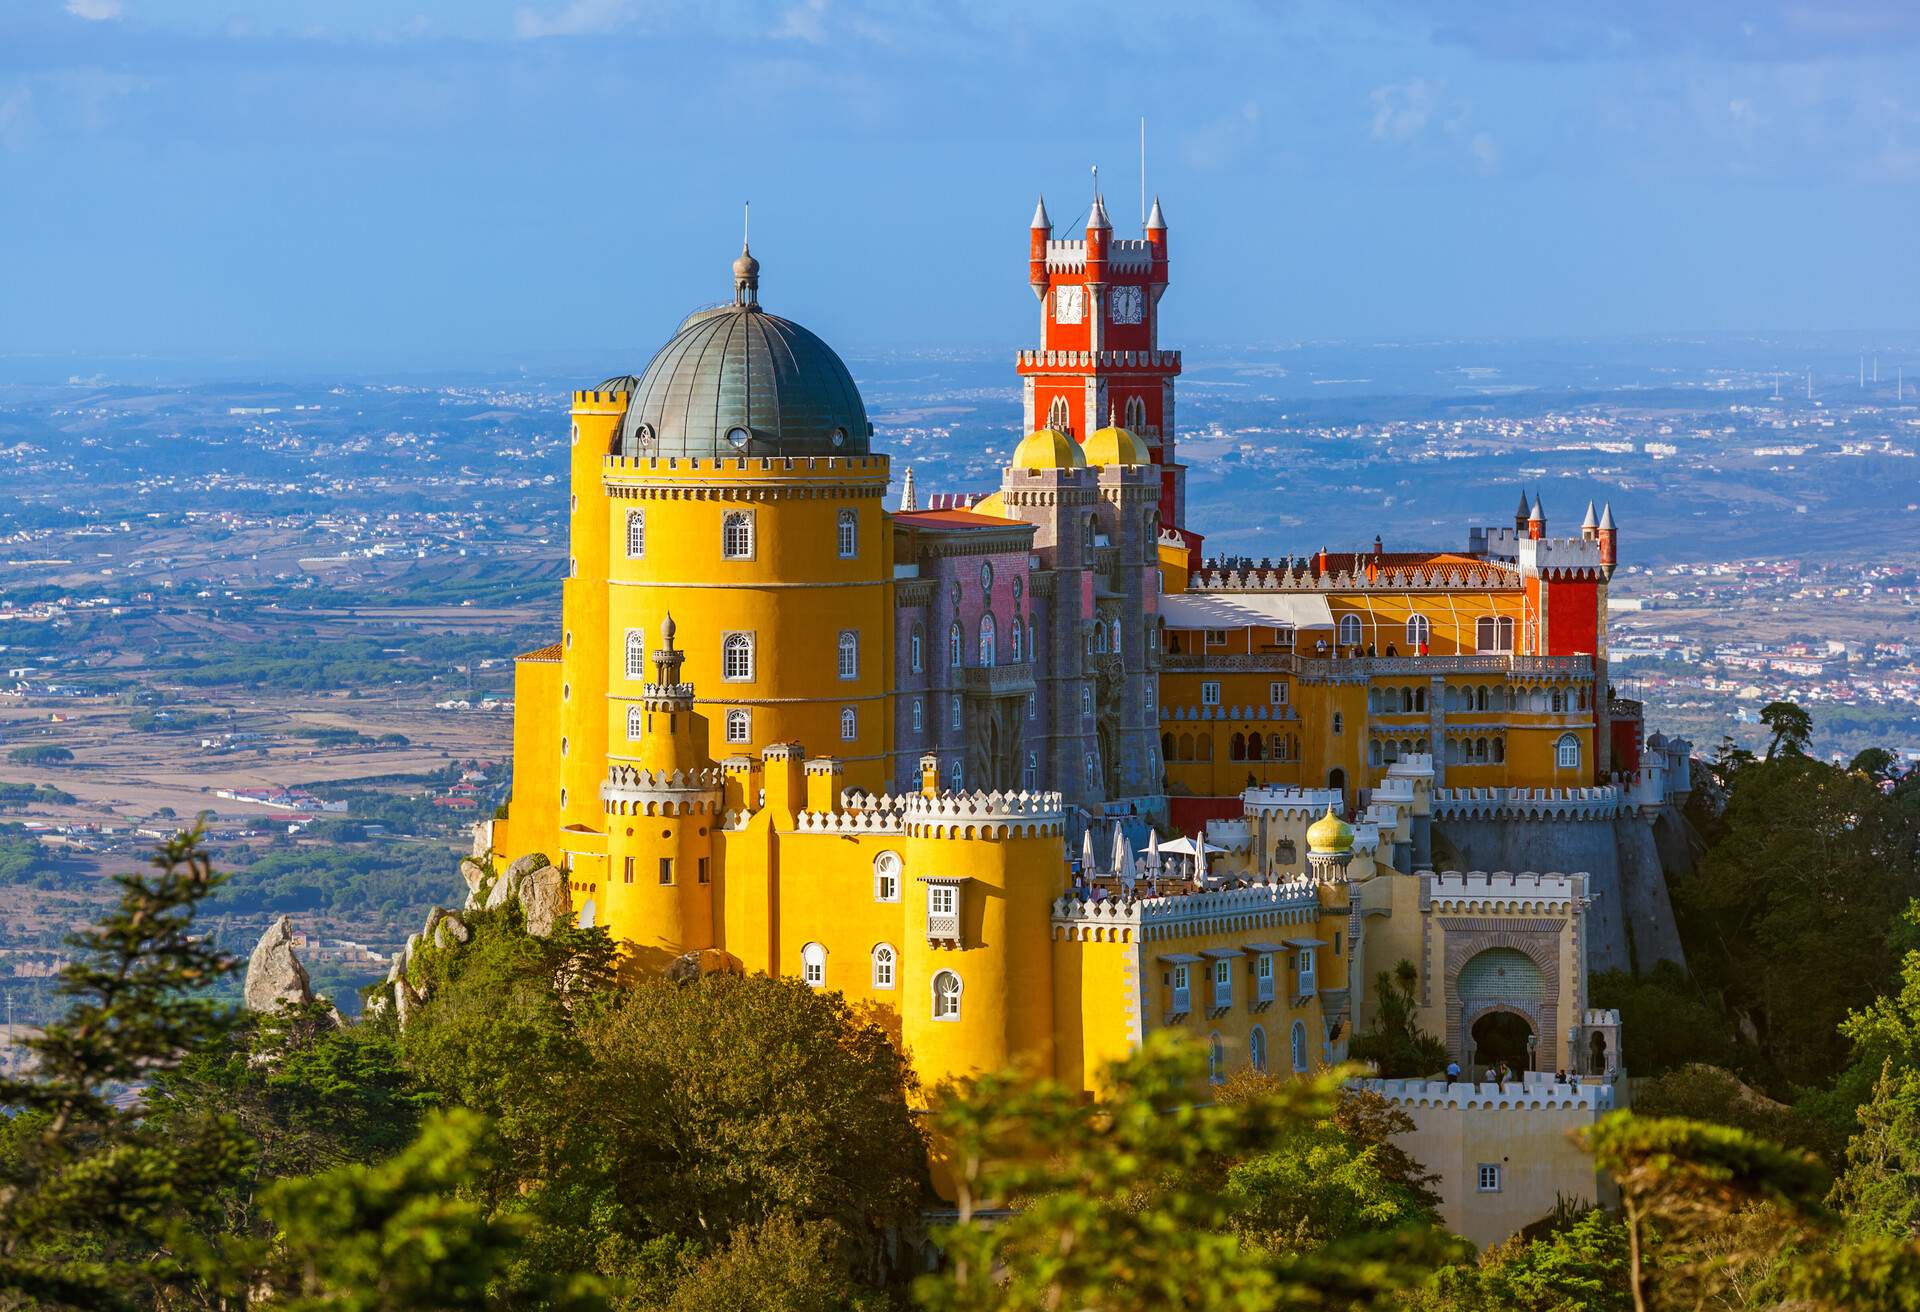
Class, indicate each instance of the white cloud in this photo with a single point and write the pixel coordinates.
(94, 11)
(1402, 111)
(575, 18)
(1419, 112)
(806, 21)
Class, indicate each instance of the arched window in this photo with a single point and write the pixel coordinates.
(953, 713)
(986, 640)
(1167, 750)
(636, 722)
(1373, 752)
(1419, 631)
(1204, 745)
(736, 657)
(883, 962)
(1216, 1059)
(946, 995)
(849, 654)
(1086, 532)
(1237, 747)
(736, 535)
(849, 724)
(1276, 747)
(636, 534)
(1031, 778)
(915, 645)
(1566, 752)
(1032, 651)
(1406, 700)
(1256, 747)
(1115, 625)
(636, 654)
(1339, 722)
(956, 645)
(849, 535)
(1559, 701)
(1185, 752)
(956, 774)
(1136, 415)
(1499, 750)
(1419, 699)
(1059, 419)
(1013, 633)
(1349, 630)
(1299, 1046)
(919, 715)
(813, 966)
(1257, 1048)
(739, 725)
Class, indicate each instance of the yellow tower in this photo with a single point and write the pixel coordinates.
(659, 817)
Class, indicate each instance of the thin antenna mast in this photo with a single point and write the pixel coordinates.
(1143, 174)
(746, 222)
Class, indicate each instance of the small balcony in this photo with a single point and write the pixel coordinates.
(1010, 680)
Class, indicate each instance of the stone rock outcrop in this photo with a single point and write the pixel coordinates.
(504, 889)
(690, 966)
(475, 873)
(274, 973)
(544, 898)
(451, 931)
(527, 864)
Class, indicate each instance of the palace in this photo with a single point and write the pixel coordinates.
(785, 729)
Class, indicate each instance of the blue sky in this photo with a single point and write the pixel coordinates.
(379, 179)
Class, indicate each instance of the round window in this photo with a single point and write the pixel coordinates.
(645, 434)
(739, 437)
(986, 574)
(1016, 587)
(839, 437)
(956, 596)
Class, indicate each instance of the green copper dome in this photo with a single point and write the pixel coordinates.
(737, 381)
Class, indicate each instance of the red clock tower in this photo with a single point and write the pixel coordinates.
(1100, 360)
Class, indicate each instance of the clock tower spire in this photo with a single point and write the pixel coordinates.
(1099, 355)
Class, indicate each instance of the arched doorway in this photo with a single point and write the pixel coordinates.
(1596, 1054)
(1337, 780)
(1502, 1036)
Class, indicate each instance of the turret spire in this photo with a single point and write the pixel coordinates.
(1041, 222)
(1097, 217)
(1156, 221)
(909, 498)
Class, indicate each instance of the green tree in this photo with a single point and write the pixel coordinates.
(1396, 1045)
(1875, 763)
(1792, 728)
(1666, 1020)
(94, 1204)
(402, 1235)
(1584, 1266)
(1683, 1184)
(1119, 1205)
(781, 1265)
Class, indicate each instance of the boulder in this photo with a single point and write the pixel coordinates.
(451, 930)
(544, 898)
(274, 973)
(475, 873)
(433, 921)
(404, 1001)
(503, 890)
(527, 864)
(690, 966)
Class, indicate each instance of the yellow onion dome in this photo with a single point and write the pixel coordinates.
(1330, 833)
(1048, 448)
(1114, 445)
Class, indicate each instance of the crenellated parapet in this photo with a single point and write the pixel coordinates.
(1143, 919)
(1361, 575)
(1511, 1094)
(1504, 891)
(629, 790)
(850, 822)
(986, 815)
(1601, 802)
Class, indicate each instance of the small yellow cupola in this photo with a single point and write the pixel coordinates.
(1048, 448)
(1330, 834)
(1114, 445)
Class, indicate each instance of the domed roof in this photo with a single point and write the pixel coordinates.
(1048, 448)
(1114, 445)
(737, 381)
(1330, 834)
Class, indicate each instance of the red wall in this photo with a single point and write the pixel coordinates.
(1573, 618)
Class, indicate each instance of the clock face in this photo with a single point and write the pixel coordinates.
(1069, 304)
(1127, 303)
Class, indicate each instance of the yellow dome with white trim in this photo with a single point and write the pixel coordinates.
(1330, 833)
(1114, 445)
(1048, 448)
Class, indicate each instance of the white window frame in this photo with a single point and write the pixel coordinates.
(1486, 1178)
(1350, 631)
(1257, 1048)
(946, 1002)
(1419, 630)
(1297, 1046)
(1566, 752)
(886, 964)
(813, 966)
(886, 877)
(1180, 989)
(1209, 693)
(1277, 693)
(728, 647)
(916, 647)
(956, 646)
(919, 715)
(953, 719)
(739, 725)
(741, 545)
(942, 899)
(849, 724)
(636, 653)
(988, 645)
(636, 722)
(1263, 977)
(1014, 635)
(1223, 982)
(636, 534)
(1308, 979)
(849, 653)
(848, 534)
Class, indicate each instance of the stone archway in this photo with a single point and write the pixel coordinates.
(1509, 970)
(1503, 1034)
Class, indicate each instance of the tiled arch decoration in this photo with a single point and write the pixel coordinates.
(1539, 939)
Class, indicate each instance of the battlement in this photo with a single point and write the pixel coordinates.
(629, 790)
(986, 815)
(1271, 905)
(750, 466)
(850, 822)
(1503, 889)
(1156, 360)
(1125, 255)
(1460, 1095)
(1253, 711)
(618, 400)
(1291, 803)
(1601, 802)
(1567, 558)
(1361, 575)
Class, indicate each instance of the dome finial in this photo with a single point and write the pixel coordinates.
(746, 269)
